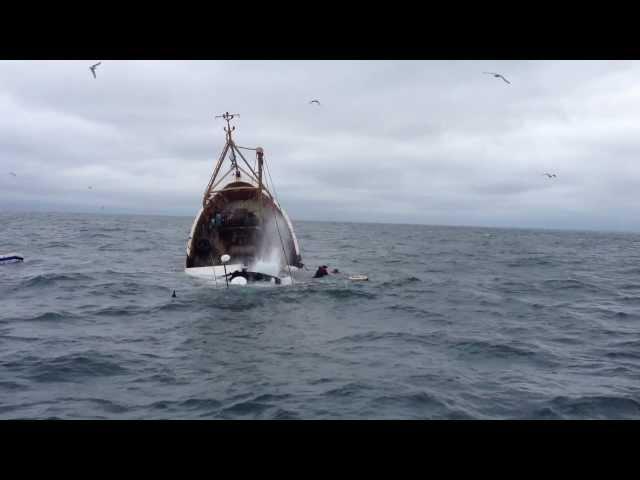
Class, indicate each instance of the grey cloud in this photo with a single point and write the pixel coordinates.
(398, 141)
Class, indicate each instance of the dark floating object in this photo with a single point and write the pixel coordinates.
(550, 175)
(173, 295)
(321, 272)
(11, 258)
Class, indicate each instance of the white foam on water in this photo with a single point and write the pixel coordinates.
(271, 264)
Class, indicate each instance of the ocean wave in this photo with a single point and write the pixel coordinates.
(631, 345)
(346, 293)
(401, 282)
(418, 311)
(348, 390)
(103, 404)
(48, 279)
(270, 397)
(109, 247)
(117, 229)
(283, 414)
(615, 313)
(488, 349)
(126, 288)
(69, 368)
(116, 311)
(630, 271)
(56, 244)
(513, 286)
(12, 386)
(593, 407)
(529, 262)
(48, 317)
(249, 408)
(413, 400)
(623, 355)
(199, 404)
(397, 337)
(571, 284)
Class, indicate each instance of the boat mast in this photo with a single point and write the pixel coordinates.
(259, 155)
(228, 144)
(228, 117)
(232, 149)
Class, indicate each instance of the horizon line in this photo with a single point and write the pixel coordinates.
(416, 224)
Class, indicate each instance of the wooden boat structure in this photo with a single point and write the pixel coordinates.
(241, 218)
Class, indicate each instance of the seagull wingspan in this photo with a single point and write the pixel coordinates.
(497, 75)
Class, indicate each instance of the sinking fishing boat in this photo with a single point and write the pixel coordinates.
(241, 218)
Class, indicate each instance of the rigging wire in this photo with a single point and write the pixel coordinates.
(252, 149)
(276, 219)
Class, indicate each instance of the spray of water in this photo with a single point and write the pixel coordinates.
(271, 264)
(270, 258)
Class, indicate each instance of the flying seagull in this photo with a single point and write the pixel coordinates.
(315, 101)
(11, 173)
(93, 68)
(497, 75)
(550, 175)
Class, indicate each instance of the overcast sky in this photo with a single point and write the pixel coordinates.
(434, 142)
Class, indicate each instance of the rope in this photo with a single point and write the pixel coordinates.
(215, 278)
(275, 216)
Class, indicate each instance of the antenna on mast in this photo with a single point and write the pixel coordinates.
(228, 117)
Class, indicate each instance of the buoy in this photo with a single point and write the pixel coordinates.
(239, 281)
(173, 295)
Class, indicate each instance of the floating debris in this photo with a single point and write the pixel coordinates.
(11, 258)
